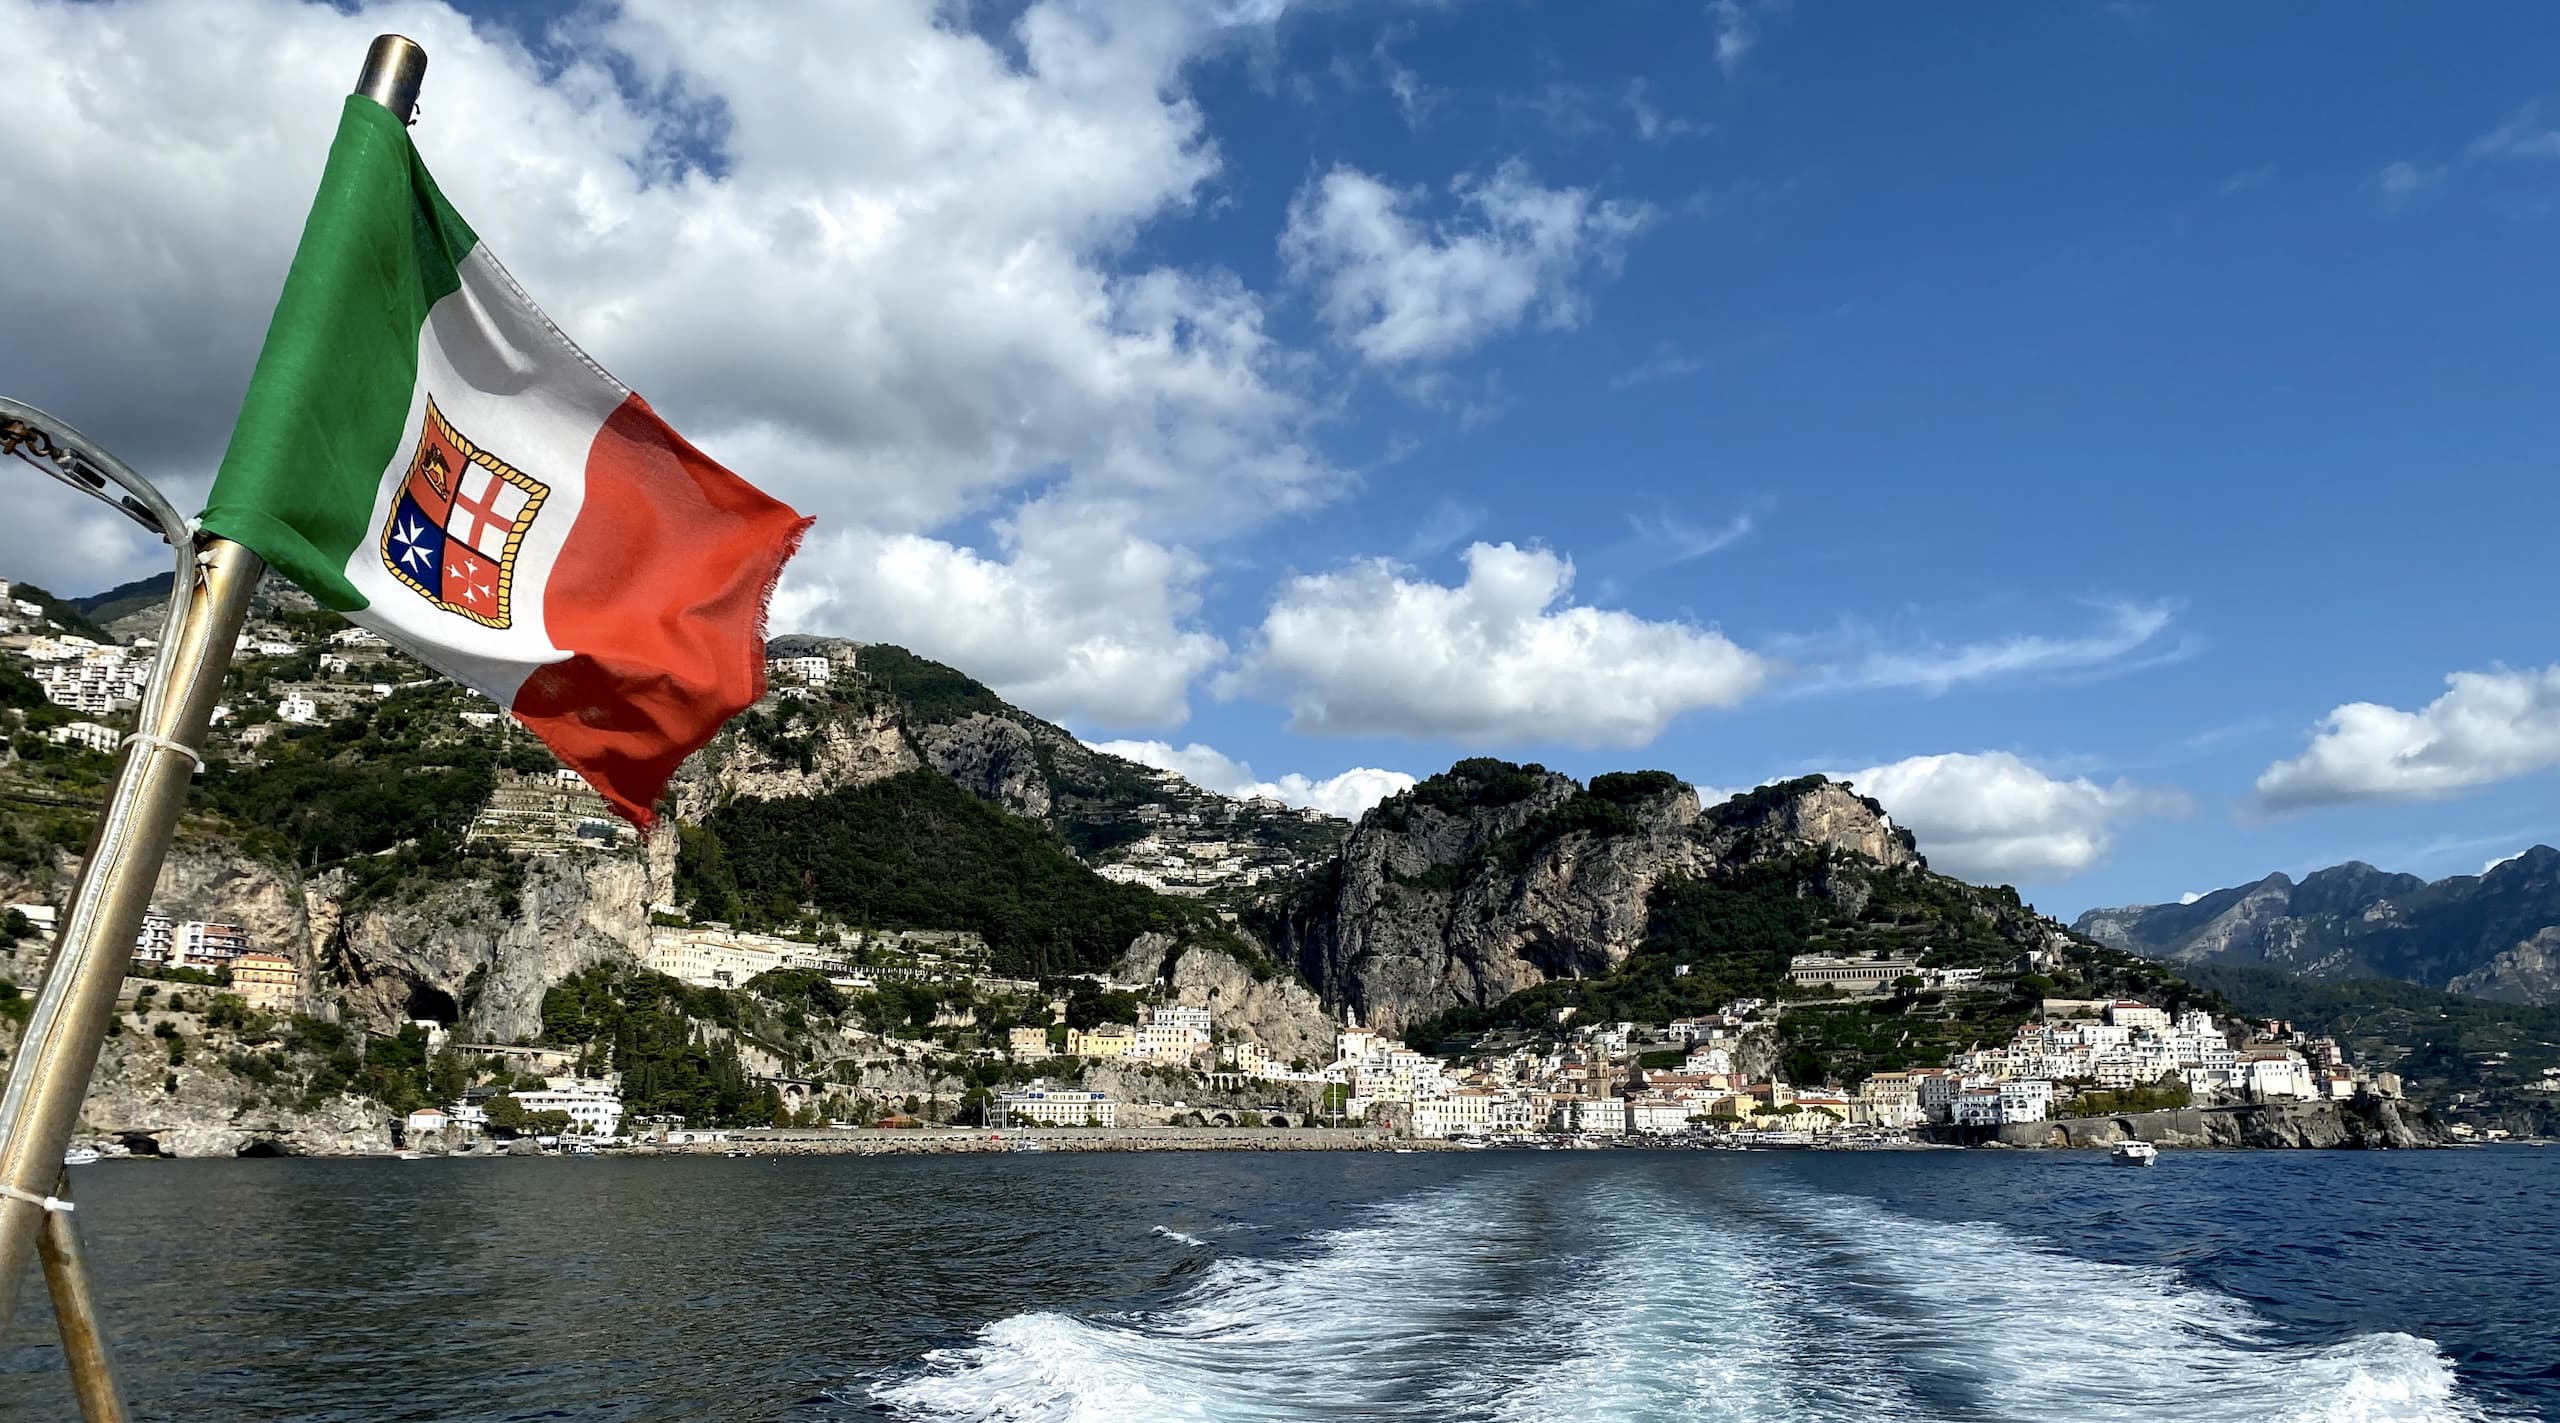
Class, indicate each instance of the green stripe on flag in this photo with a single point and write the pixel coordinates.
(329, 403)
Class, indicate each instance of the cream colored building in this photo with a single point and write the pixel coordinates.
(726, 958)
(1028, 1042)
(267, 980)
(1463, 1112)
(1108, 1040)
(1853, 975)
(1041, 1105)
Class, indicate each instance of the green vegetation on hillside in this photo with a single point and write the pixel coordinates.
(1609, 806)
(124, 598)
(2440, 1043)
(931, 692)
(916, 851)
(388, 792)
(1479, 782)
(63, 611)
(650, 1028)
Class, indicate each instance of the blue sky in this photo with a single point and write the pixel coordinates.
(1986, 320)
(2102, 396)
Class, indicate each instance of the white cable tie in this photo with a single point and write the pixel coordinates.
(51, 1203)
(163, 743)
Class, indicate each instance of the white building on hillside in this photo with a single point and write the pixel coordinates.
(594, 1104)
(1041, 1105)
(102, 739)
(808, 671)
(2127, 1013)
(2277, 1075)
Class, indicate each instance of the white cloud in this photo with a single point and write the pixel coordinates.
(1935, 667)
(2523, 135)
(880, 264)
(1504, 657)
(1082, 618)
(2490, 726)
(2246, 180)
(1651, 124)
(1735, 34)
(1398, 291)
(1349, 794)
(1667, 362)
(2502, 859)
(2399, 182)
(2190, 897)
(1992, 818)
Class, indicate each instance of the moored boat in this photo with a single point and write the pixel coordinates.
(2134, 1153)
(80, 1156)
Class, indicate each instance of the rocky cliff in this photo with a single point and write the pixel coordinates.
(466, 953)
(1275, 1010)
(2491, 935)
(140, 1101)
(1493, 878)
(460, 949)
(2364, 1123)
(890, 711)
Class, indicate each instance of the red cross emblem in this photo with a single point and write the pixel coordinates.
(460, 516)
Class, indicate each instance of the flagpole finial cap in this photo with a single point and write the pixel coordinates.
(393, 69)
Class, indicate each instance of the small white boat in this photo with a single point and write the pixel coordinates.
(80, 1156)
(2134, 1153)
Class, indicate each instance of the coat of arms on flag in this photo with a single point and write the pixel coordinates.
(454, 530)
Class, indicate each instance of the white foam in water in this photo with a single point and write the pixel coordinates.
(2033, 1331)
(1178, 1238)
(1632, 1303)
(1371, 1314)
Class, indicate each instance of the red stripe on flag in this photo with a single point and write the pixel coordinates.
(659, 597)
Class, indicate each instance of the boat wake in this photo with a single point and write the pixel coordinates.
(1630, 1302)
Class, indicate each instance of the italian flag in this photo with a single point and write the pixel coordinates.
(422, 450)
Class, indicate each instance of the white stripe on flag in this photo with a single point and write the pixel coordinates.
(506, 380)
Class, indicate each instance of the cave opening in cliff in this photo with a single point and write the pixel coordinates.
(432, 1005)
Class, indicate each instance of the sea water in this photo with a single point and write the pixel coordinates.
(1622, 1285)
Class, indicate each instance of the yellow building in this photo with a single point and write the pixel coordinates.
(1109, 1040)
(267, 980)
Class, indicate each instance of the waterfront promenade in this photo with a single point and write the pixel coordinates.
(874, 1141)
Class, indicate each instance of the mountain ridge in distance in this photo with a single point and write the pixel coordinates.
(2491, 935)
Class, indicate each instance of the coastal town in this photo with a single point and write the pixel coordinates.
(1594, 1085)
(1153, 1062)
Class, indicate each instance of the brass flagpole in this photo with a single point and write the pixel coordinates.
(49, 1078)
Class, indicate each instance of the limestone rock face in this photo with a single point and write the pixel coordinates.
(211, 1112)
(1279, 1012)
(994, 758)
(1437, 900)
(2527, 973)
(458, 950)
(853, 748)
(2365, 1122)
(1823, 815)
(198, 880)
(221, 884)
